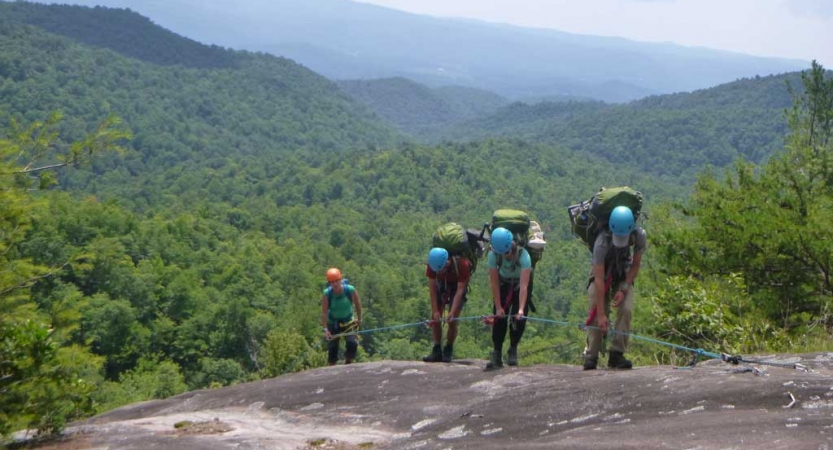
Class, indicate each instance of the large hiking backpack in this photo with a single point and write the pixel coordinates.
(526, 233)
(459, 241)
(590, 217)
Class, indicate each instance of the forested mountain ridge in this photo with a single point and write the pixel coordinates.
(269, 105)
(418, 109)
(122, 31)
(667, 135)
(670, 136)
(378, 42)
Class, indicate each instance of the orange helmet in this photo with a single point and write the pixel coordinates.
(333, 274)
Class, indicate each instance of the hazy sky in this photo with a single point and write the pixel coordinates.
(800, 29)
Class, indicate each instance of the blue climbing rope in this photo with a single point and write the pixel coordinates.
(696, 352)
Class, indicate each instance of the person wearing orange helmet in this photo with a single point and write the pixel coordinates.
(340, 308)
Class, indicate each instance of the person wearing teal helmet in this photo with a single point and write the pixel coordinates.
(448, 280)
(510, 272)
(613, 271)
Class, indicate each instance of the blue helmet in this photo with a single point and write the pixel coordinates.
(437, 258)
(621, 221)
(621, 224)
(501, 240)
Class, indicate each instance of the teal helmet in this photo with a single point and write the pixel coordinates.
(621, 224)
(437, 258)
(501, 240)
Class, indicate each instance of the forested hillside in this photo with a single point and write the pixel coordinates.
(122, 31)
(191, 252)
(263, 105)
(417, 109)
(671, 136)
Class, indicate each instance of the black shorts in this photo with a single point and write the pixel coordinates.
(446, 298)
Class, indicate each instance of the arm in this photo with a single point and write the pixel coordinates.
(357, 304)
(457, 303)
(463, 278)
(325, 308)
(494, 279)
(599, 280)
(633, 271)
(523, 294)
(436, 314)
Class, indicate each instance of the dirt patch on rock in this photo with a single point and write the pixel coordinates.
(187, 427)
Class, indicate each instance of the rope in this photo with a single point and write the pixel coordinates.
(697, 353)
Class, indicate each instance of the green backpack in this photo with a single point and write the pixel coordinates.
(589, 217)
(524, 232)
(459, 241)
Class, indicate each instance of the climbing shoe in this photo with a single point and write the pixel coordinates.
(590, 363)
(495, 361)
(448, 350)
(617, 360)
(512, 359)
(435, 356)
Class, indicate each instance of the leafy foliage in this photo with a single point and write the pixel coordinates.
(45, 379)
(770, 226)
(417, 109)
(195, 258)
(685, 131)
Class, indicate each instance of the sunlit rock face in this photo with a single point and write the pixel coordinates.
(414, 405)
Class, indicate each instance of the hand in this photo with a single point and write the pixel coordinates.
(602, 322)
(452, 316)
(359, 321)
(499, 311)
(618, 298)
(327, 334)
(520, 315)
(437, 316)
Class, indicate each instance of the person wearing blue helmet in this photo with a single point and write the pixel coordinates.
(614, 269)
(510, 272)
(448, 280)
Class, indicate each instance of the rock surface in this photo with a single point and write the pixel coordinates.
(415, 405)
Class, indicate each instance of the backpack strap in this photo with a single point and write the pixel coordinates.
(514, 260)
(330, 293)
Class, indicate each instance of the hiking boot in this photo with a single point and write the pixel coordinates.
(590, 363)
(435, 356)
(448, 350)
(495, 361)
(512, 359)
(617, 360)
(348, 361)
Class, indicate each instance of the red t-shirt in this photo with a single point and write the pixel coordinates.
(449, 275)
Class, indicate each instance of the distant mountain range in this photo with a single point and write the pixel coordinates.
(342, 39)
(669, 135)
